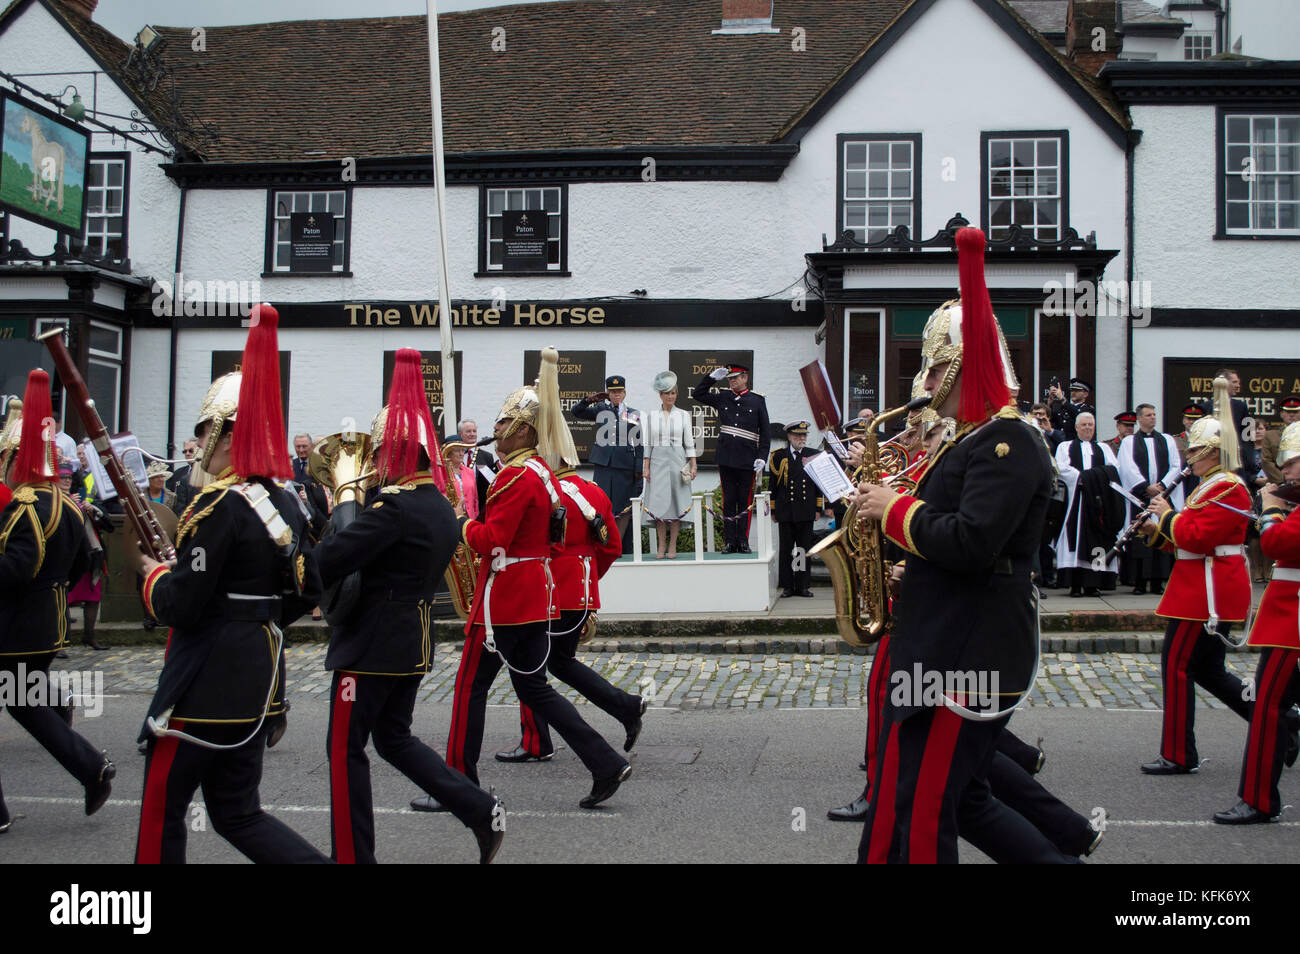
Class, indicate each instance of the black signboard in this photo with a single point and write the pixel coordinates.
(690, 366)
(581, 373)
(227, 361)
(311, 242)
(431, 369)
(1263, 385)
(523, 235)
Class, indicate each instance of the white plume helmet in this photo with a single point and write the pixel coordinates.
(1216, 431)
(554, 441)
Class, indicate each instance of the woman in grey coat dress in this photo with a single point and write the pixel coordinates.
(670, 465)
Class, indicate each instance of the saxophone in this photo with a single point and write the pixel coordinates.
(854, 553)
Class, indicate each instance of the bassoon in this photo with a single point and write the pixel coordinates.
(153, 539)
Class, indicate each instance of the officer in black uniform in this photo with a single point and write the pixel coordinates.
(1064, 412)
(401, 543)
(796, 503)
(241, 574)
(617, 453)
(743, 442)
(43, 547)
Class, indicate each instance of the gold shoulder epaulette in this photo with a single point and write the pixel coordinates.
(25, 495)
(396, 488)
(1009, 413)
(209, 496)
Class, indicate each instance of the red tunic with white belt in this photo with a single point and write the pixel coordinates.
(1278, 620)
(513, 535)
(1204, 533)
(578, 569)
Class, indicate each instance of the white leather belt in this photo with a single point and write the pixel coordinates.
(1235, 549)
(739, 432)
(1287, 574)
(498, 564)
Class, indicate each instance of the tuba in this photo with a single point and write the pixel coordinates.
(854, 553)
(338, 462)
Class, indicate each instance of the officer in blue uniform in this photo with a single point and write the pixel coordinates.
(617, 453)
(743, 444)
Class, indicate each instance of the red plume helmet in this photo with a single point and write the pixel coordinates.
(408, 425)
(259, 448)
(36, 460)
(983, 380)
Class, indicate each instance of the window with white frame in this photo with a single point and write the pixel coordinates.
(1198, 46)
(106, 192)
(1261, 169)
(879, 186)
(104, 372)
(549, 200)
(1024, 185)
(285, 203)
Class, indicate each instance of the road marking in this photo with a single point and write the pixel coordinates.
(308, 809)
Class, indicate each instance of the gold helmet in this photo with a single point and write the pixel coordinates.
(220, 405)
(1288, 447)
(1216, 432)
(521, 407)
(941, 343)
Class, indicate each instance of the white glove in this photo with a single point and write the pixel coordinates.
(759, 465)
(717, 374)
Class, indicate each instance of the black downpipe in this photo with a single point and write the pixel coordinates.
(175, 327)
(1134, 137)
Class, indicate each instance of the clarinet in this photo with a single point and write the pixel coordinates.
(147, 528)
(1141, 518)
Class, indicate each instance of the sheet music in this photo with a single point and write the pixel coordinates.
(837, 445)
(829, 476)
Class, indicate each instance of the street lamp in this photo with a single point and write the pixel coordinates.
(75, 110)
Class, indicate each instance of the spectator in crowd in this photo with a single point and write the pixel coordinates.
(1064, 412)
(1042, 416)
(1095, 513)
(1191, 414)
(157, 474)
(316, 496)
(1290, 413)
(1148, 464)
(453, 454)
(87, 591)
(179, 482)
(478, 459)
(1125, 421)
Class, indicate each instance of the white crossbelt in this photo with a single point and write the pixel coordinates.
(739, 432)
(1230, 550)
(1286, 574)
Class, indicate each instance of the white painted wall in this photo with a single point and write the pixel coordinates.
(36, 43)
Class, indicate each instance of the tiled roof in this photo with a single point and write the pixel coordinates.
(575, 74)
(1049, 16)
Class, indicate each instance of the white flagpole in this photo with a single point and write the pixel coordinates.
(449, 417)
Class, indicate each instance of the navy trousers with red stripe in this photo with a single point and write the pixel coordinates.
(931, 784)
(563, 664)
(44, 724)
(877, 689)
(737, 494)
(1191, 657)
(525, 646)
(366, 706)
(174, 769)
(1277, 689)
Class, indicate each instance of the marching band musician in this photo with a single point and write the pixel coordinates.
(1277, 631)
(591, 545)
(402, 543)
(43, 547)
(1209, 588)
(971, 531)
(743, 441)
(239, 577)
(795, 505)
(521, 528)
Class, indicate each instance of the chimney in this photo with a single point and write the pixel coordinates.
(1090, 38)
(82, 8)
(747, 16)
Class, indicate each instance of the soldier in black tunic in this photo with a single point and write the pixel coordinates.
(743, 441)
(401, 543)
(240, 575)
(43, 547)
(796, 502)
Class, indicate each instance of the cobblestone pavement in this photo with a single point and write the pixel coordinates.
(689, 681)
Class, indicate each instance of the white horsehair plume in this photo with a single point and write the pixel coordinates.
(1229, 444)
(554, 442)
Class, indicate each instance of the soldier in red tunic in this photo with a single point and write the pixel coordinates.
(1209, 588)
(1272, 738)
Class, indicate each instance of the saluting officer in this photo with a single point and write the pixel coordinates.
(796, 502)
(43, 547)
(744, 439)
(240, 576)
(591, 546)
(617, 453)
(516, 536)
(1065, 412)
(401, 543)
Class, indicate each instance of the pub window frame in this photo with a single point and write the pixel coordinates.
(1223, 172)
(80, 242)
(485, 268)
(107, 359)
(270, 268)
(1062, 136)
(842, 143)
